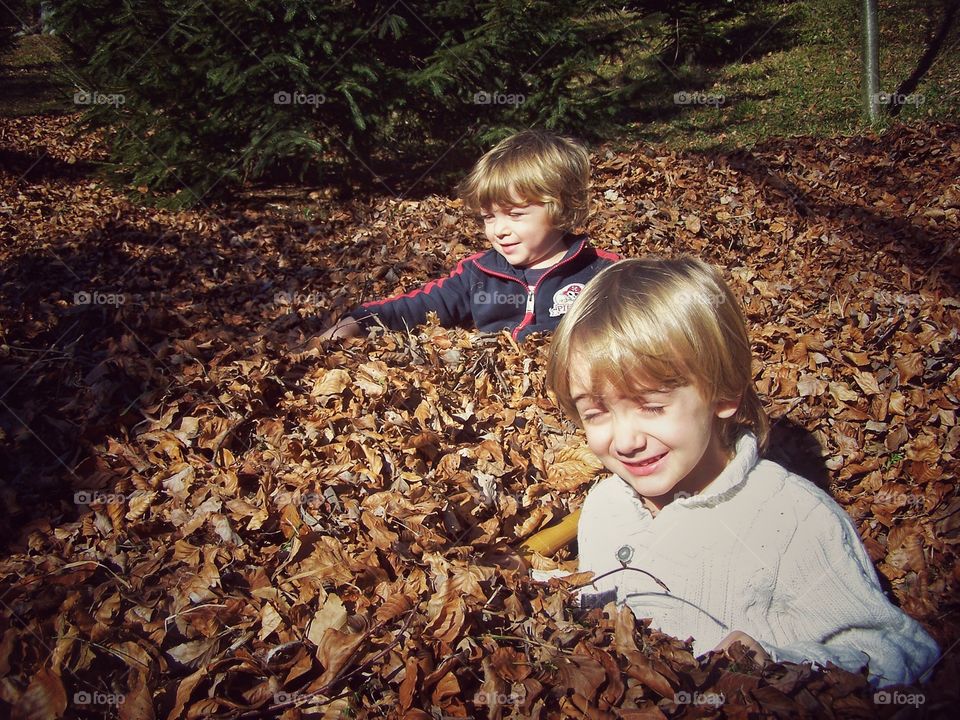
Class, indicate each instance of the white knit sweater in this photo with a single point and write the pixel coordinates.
(759, 550)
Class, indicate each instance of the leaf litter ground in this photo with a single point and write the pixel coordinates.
(207, 515)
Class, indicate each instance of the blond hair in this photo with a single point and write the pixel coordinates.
(532, 166)
(653, 323)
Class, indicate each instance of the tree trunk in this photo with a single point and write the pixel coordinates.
(871, 63)
(933, 49)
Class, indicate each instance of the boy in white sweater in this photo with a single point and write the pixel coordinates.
(653, 362)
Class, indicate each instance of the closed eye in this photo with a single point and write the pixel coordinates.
(592, 414)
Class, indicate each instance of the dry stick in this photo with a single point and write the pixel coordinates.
(621, 569)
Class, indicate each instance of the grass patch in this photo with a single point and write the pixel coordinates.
(814, 87)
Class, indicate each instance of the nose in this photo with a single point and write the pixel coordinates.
(629, 439)
(500, 228)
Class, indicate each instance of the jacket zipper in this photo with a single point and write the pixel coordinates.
(532, 293)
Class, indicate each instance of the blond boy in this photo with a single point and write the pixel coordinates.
(531, 193)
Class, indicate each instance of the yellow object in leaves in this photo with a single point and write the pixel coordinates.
(551, 539)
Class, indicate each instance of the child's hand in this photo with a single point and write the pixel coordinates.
(738, 636)
(346, 328)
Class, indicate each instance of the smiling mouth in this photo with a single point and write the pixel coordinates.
(643, 465)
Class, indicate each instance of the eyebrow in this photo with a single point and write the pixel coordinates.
(507, 207)
(644, 395)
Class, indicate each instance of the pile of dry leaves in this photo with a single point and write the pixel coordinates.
(205, 515)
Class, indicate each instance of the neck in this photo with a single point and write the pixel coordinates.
(551, 256)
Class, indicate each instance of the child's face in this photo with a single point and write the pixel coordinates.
(523, 234)
(661, 443)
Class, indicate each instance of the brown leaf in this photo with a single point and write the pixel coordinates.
(331, 382)
(448, 687)
(411, 679)
(910, 366)
(332, 615)
(137, 702)
(867, 382)
(572, 467)
(582, 674)
(44, 698)
(641, 669)
(335, 650)
(924, 449)
(389, 476)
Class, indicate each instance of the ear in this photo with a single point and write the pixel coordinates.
(727, 408)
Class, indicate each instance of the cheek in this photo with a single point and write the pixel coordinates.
(598, 439)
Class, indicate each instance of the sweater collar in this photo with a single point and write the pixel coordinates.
(730, 480)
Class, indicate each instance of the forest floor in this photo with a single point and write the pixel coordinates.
(204, 514)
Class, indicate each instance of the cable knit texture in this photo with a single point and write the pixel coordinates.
(760, 550)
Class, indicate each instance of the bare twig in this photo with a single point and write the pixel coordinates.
(657, 580)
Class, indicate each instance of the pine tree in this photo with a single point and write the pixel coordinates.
(204, 97)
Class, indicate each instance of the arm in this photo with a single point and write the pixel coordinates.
(828, 606)
(345, 327)
(448, 297)
(738, 636)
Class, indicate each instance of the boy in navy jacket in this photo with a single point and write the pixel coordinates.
(531, 192)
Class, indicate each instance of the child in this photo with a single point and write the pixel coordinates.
(653, 362)
(531, 191)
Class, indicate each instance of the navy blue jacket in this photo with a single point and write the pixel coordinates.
(486, 292)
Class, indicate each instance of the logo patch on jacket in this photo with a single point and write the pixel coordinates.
(564, 297)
